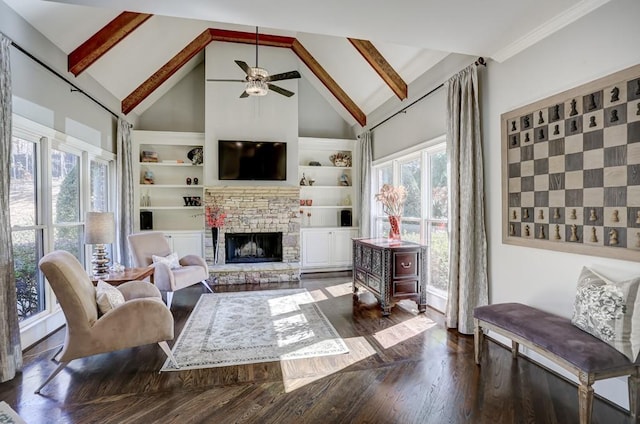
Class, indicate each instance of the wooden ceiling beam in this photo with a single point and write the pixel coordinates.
(329, 82)
(381, 66)
(250, 38)
(165, 72)
(103, 40)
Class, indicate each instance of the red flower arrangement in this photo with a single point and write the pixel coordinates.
(215, 216)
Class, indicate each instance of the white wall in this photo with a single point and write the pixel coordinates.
(269, 118)
(180, 109)
(44, 98)
(316, 117)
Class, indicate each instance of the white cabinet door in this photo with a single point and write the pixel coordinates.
(327, 248)
(316, 248)
(186, 243)
(342, 247)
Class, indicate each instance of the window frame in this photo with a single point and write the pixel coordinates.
(51, 318)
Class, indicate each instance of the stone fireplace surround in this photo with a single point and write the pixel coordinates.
(255, 209)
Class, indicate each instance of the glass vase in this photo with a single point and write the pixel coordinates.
(394, 227)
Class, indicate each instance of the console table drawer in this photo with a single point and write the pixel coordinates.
(405, 264)
(361, 277)
(405, 287)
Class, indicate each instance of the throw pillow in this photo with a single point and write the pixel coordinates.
(108, 297)
(609, 311)
(170, 260)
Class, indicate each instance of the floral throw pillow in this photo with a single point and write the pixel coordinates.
(609, 311)
(170, 260)
(108, 297)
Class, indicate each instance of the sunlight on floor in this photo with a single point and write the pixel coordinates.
(292, 330)
(297, 373)
(340, 289)
(405, 330)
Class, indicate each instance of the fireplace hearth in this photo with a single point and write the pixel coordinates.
(253, 247)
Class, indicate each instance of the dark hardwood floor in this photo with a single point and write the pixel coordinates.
(406, 368)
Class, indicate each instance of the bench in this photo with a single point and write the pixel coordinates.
(566, 345)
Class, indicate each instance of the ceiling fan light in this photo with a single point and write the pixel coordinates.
(257, 88)
(258, 73)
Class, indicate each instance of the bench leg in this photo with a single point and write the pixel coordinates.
(634, 396)
(478, 337)
(585, 396)
(514, 349)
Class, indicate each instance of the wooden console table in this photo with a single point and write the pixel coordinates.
(129, 274)
(391, 270)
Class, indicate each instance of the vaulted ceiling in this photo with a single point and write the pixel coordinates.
(358, 52)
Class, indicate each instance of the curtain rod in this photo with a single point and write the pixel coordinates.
(62, 77)
(478, 62)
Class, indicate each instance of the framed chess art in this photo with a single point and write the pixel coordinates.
(571, 170)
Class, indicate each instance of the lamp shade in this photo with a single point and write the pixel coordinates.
(99, 228)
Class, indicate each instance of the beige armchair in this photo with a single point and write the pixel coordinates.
(193, 269)
(88, 333)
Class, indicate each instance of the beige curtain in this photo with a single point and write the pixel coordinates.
(468, 285)
(125, 190)
(10, 349)
(365, 157)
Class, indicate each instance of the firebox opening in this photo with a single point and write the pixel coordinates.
(253, 247)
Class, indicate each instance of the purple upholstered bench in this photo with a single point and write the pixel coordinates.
(555, 338)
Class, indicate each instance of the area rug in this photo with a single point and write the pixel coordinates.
(8, 415)
(250, 327)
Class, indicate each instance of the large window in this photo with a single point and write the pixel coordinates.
(54, 179)
(423, 173)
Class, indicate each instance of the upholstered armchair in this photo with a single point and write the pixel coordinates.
(88, 332)
(191, 269)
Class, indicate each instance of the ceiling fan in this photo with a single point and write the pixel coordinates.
(258, 81)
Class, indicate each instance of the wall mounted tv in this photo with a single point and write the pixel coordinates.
(252, 160)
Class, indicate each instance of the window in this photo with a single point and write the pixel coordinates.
(27, 234)
(53, 180)
(423, 173)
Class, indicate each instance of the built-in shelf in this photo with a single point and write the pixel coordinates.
(168, 208)
(190, 165)
(315, 168)
(170, 186)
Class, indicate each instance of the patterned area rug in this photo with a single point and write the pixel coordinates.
(249, 327)
(8, 415)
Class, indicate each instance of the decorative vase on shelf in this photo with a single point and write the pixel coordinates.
(394, 227)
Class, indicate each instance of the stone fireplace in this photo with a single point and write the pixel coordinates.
(258, 220)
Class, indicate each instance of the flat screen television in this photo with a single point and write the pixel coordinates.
(252, 160)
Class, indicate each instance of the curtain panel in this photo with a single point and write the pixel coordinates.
(468, 282)
(10, 349)
(365, 156)
(125, 193)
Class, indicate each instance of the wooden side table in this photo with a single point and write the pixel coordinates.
(129, 274)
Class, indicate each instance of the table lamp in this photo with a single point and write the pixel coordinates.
(99, 230)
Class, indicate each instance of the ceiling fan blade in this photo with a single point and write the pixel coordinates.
(280, 90)
(243, 65)
(244, 95)
(225, 80)
(283, 76)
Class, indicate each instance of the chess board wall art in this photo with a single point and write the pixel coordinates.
(571, 170)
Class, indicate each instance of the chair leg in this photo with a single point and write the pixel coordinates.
(169, 299)
(167, 351)
(204, 283)
(53, 374)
